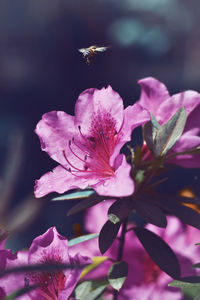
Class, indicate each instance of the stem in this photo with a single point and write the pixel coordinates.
(120, 250)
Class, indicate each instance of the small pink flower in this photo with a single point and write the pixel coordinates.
(87, 145)
(156, 99)
(49, 248)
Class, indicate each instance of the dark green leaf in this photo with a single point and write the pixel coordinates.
(117, 274)
(119, 210)
(150, 213)
(148, 135)
(186, 281)
(150, 131)
(191, 292)
(159, 251)
(107, 235)
(84, 204)
(41, 267)
(186, 214)
(75, 195)
(90, 290)
(169, 133)
(82, 239)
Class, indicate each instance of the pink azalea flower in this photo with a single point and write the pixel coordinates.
(145, 280)
(87, 145)
(50, 247)
(156, 99)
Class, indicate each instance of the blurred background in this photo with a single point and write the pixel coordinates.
(41, 70)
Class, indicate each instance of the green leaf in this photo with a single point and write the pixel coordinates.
(159, 251)
(169, 133)
(186, 281)
(90, 290)
(107, 235)
(75, 195)
(85, 203)
(82, 239)
(96, 261)
(191, 292)
(150, 213)
(119, 210)
(20, 292)
(148, 133)
(117, 274)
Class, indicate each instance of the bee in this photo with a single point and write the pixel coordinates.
(90, 52)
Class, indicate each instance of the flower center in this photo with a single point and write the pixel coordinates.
(90, 154)
(50, 284)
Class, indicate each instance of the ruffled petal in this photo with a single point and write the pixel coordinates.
(60, 180)
(49, 246)
(55, 130)
(153, 93)
(189, 99)
(93, 102)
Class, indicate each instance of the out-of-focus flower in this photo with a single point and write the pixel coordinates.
(145, 280)
(49, 248)
(156, 99)
(87, 145)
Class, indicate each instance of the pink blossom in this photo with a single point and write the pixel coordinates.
(145, 280)
(87, 145)
(157, 100)
(50, 247)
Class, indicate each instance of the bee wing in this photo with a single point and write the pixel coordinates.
(84, 51)
(101, 49)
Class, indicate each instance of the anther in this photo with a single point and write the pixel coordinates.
(79, 127)
(70, 142)
(85, 158)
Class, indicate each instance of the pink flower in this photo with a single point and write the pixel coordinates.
(87, 145)
(50, 247)
(145, 280)
(156, 99)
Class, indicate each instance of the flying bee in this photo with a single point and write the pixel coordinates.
(92, 51)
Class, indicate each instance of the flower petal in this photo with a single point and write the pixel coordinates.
(134, 116)
(72, 277)
(119, 185)
(94, 102)
(189, 99)
(153, 93)
(55, 130)
(49, 246)
(60, 181)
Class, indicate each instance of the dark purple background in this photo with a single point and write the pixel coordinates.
(41, 70)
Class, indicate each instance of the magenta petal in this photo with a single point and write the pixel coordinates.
(134, 116)
(119, 185)
(72, 277)
(55, 130)
(153, 93)
(93, 102)
(50, 245)
(189, 99)
(60, 181)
